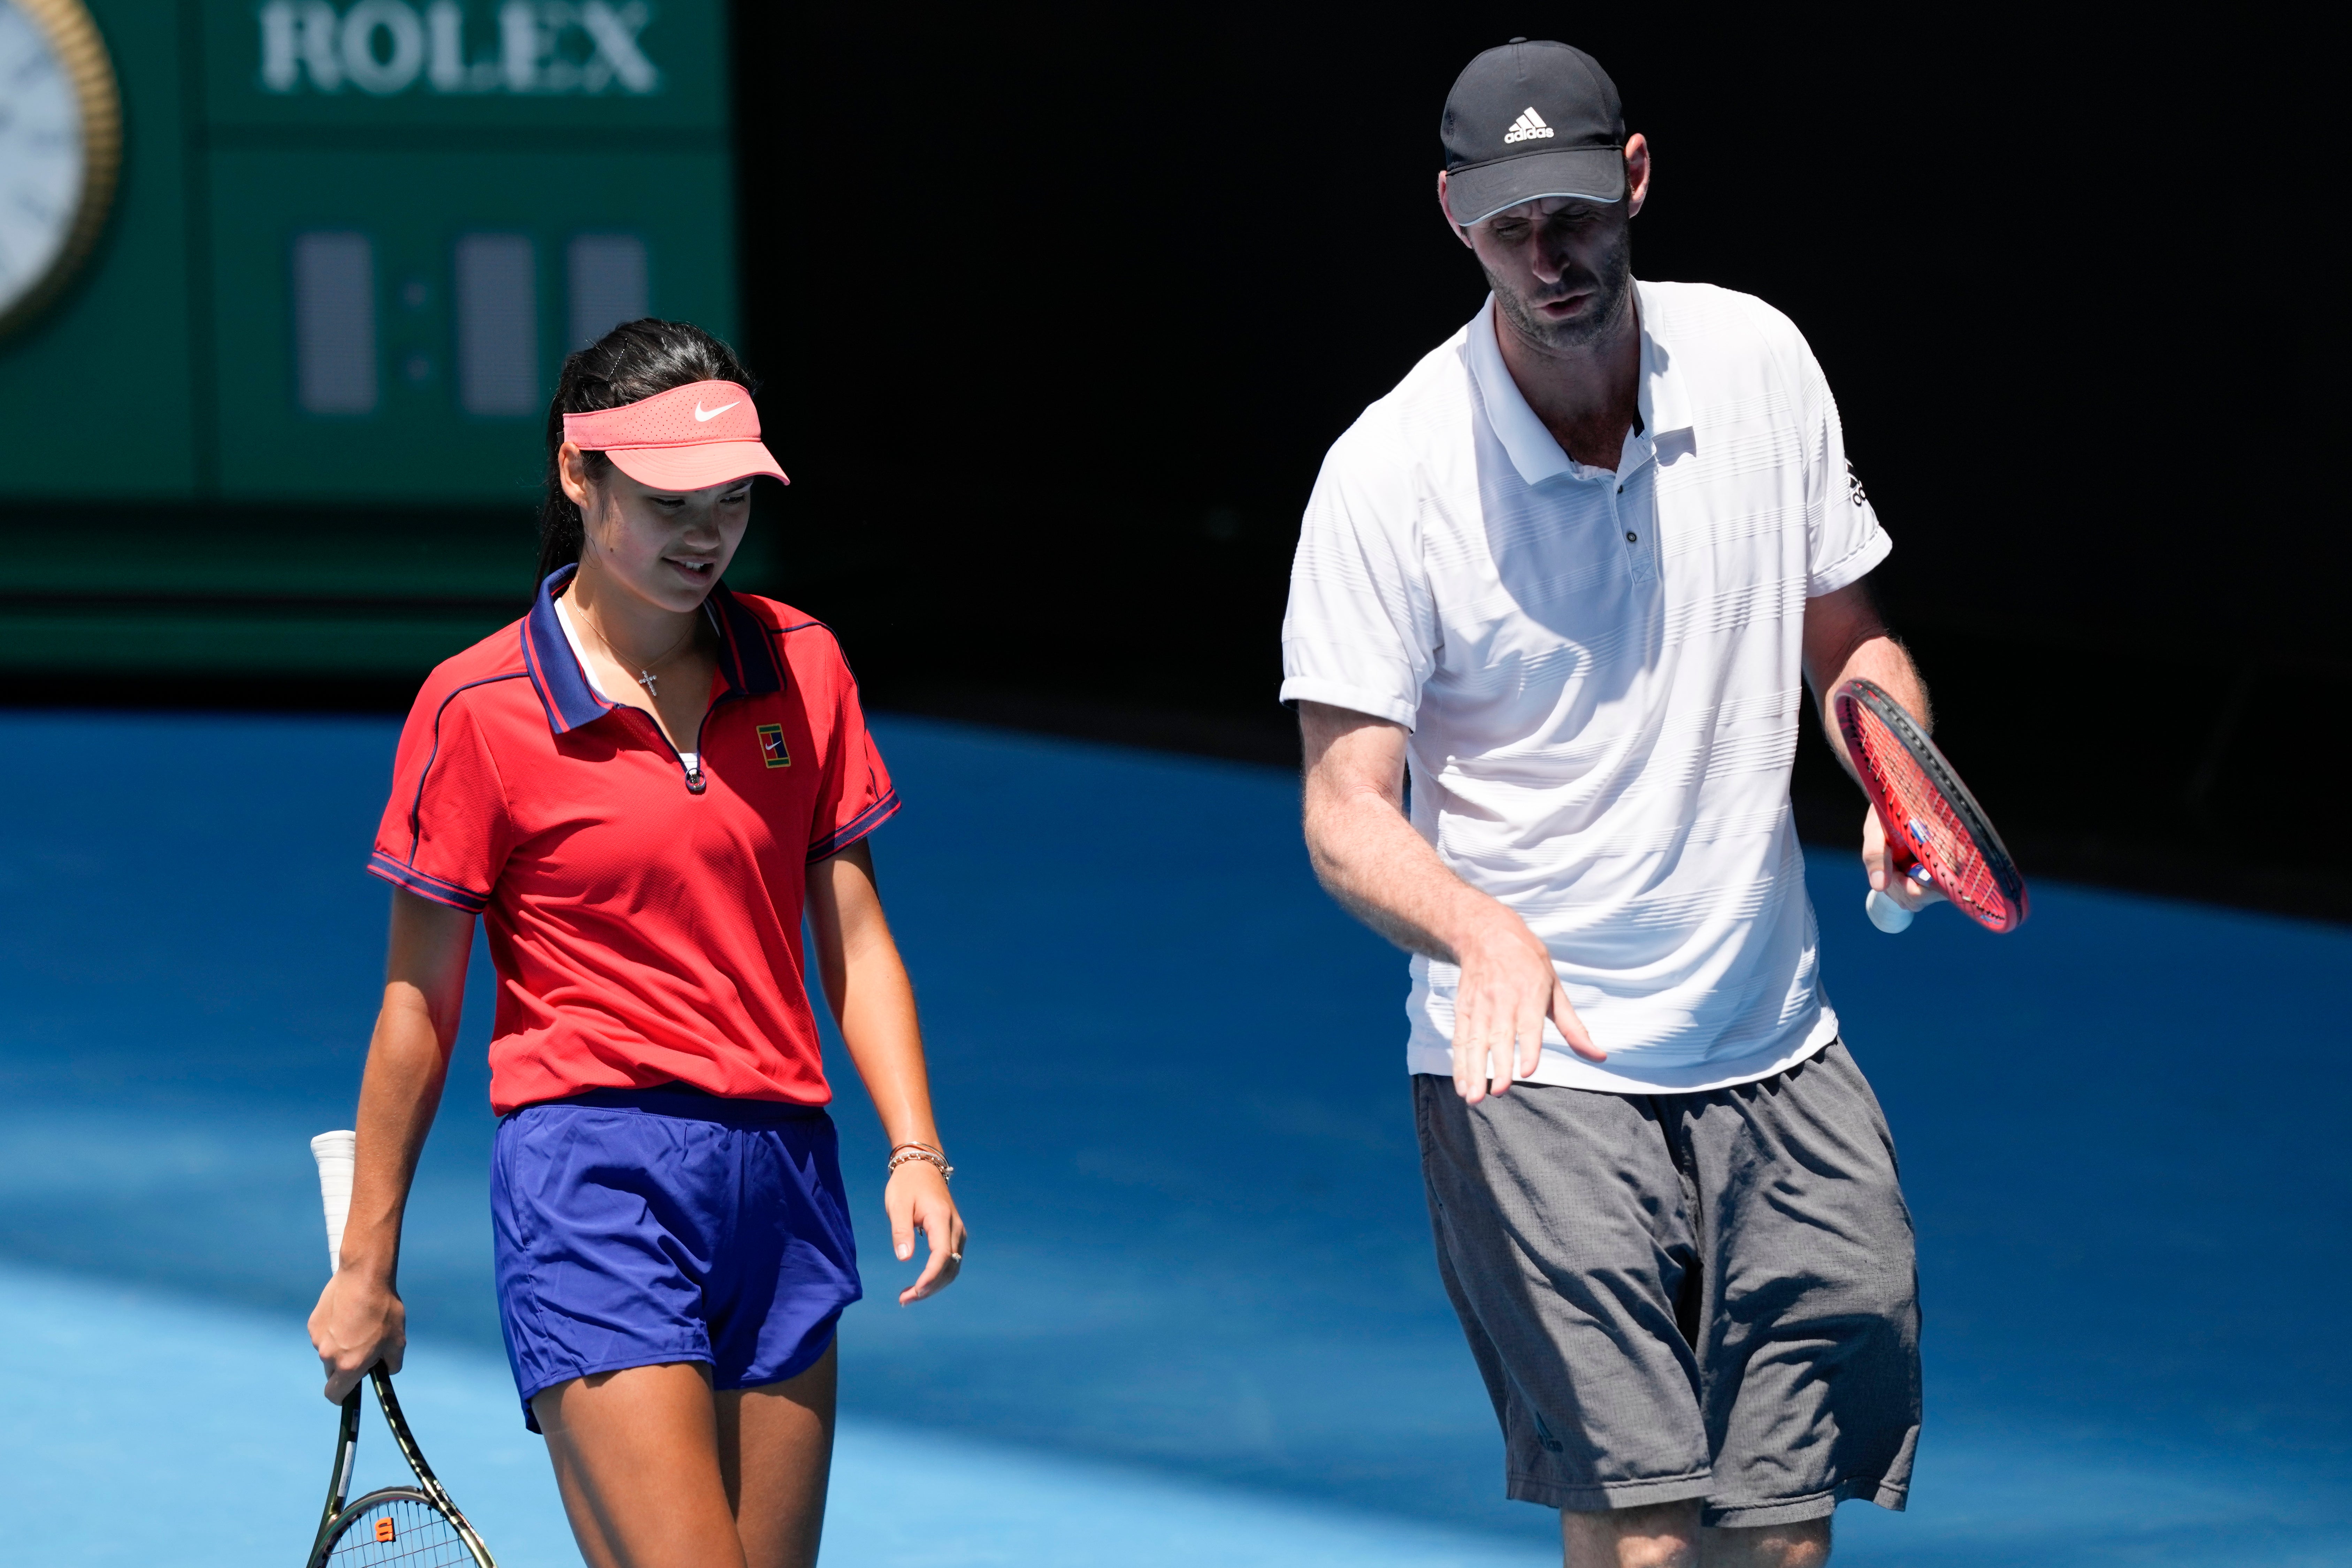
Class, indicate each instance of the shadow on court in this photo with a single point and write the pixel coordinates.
(1169, 1074)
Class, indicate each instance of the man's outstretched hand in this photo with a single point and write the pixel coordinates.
(1508, 988)
(1371, 859)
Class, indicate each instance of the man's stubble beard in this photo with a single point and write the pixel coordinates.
(1612, 295)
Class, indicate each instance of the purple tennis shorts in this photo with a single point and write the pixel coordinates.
(636, 1226)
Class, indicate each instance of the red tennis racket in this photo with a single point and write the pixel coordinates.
(1936, 834)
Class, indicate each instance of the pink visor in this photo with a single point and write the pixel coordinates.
(688, 438)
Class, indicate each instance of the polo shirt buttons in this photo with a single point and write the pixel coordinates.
(1629, 537)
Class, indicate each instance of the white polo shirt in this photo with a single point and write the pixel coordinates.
(1603, 674)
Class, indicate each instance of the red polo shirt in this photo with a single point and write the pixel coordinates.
(645, 920)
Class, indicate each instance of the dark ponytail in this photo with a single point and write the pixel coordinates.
(634, 361)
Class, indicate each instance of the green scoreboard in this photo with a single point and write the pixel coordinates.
(274, 367)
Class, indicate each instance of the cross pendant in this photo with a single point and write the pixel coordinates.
(646, 678)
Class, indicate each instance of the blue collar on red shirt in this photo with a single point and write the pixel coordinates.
(745, 660)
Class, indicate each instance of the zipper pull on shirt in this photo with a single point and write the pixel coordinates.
(692, 762)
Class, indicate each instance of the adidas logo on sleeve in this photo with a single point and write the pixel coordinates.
(1529, 127)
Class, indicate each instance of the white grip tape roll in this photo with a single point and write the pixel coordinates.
(335, 1152)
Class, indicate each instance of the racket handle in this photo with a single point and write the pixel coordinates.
(1885, 914)
(335, 1152)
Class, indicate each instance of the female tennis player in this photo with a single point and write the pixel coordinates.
(645, 784)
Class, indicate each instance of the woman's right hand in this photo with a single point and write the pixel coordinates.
(359, 1320)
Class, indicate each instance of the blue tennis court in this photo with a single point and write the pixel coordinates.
(1200, 1323)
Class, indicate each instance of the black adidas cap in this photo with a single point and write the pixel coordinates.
(1531, 120)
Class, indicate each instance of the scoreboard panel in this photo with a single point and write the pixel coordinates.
(388, 325)
(351, 243)
(405, 215)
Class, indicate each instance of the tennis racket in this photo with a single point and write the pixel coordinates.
(411, 1527)
(1936, 834)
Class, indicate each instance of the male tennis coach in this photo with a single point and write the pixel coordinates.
(1573, 573)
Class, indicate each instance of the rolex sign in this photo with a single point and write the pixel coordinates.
(357, 237)
(450, 48)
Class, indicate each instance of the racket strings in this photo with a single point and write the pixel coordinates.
(1929, 826)
(406, 1532)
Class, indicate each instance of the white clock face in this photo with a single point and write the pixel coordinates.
(43, 169)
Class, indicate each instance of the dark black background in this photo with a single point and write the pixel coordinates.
(1057, 312)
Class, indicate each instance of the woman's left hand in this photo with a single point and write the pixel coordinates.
(917, 1199)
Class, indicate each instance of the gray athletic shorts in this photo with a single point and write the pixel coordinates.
(1677, 1296)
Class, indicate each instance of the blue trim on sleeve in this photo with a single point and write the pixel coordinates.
(402, 874)
(423, 886)
(865, 822)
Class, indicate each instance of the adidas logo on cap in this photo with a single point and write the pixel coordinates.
(1529, 127)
